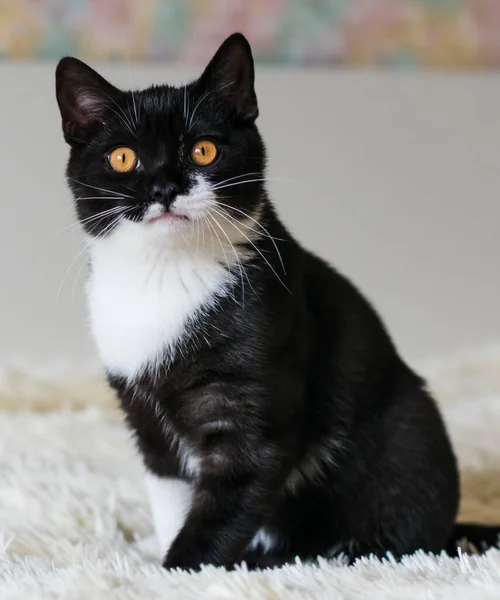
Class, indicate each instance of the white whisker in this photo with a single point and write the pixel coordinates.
(259, 225)
(186, 104)
(66, 273)
(219, 186)
(99, 188)
(184, 109)
(99, 198)
(238, 261)
(115, 221)
(75, 283)
(100, 215)
(256, 248)
(133, 96)
(205, 95)
(210, 217)
(126, 119)
(126, 123)
(250, 174)
(198, 227)
(211, 236)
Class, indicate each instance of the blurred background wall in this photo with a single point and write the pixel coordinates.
(451, 33)
(394, 171)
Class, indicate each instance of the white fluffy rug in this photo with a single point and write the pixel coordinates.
(73, 511)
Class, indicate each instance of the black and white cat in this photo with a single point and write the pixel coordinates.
(273, 413)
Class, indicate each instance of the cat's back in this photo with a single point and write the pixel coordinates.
(346, 315)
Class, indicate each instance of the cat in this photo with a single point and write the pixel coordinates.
(273, 414)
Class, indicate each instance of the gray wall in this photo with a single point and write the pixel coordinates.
(398, 185)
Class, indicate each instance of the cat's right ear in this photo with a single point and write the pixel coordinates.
(231, 74)
(84, 98)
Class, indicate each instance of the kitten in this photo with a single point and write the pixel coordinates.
(271, 409)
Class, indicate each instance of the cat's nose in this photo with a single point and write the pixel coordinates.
(164, 192)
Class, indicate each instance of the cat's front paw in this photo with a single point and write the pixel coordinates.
(184, 554)
(173, 562)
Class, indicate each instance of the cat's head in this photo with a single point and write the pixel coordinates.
(167, 160)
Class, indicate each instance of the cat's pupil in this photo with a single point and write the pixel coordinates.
(203, 150)
(123, 157)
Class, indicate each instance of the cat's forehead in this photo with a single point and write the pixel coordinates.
(159, 97)
(180, 109)
(156, 103)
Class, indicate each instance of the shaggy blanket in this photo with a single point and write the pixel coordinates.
(74, 520)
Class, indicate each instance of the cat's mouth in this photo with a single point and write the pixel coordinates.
(167, 216)
(161, 214)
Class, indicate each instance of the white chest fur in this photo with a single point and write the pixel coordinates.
(143, 292)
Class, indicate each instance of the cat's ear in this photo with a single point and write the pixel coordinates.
(83, 97)
(231, 74)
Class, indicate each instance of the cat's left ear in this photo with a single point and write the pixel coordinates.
(231, 74)
(84, 98)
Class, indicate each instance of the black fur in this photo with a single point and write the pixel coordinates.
(332, 443)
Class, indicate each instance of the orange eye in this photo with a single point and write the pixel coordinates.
(123, 160)
(203, 153)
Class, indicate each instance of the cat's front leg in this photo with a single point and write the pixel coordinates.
(226, 512)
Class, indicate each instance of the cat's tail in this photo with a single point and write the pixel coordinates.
(471, 536)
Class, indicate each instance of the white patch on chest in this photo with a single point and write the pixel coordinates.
(143, 292)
